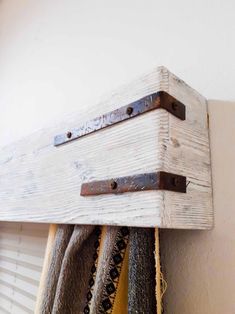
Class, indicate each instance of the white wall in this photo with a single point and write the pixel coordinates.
(59, 55)
(199, 266)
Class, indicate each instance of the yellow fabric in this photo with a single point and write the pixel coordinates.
(121, 299)
(107, 247)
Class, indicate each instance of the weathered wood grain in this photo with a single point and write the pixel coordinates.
(188, 151)
(41, 183)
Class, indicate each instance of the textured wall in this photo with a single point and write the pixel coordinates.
(199, 266)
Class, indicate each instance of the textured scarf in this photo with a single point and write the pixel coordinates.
(101, 270)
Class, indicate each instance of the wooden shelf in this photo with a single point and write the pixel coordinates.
(40, 182)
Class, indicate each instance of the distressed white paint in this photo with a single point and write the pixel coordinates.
(41, 183)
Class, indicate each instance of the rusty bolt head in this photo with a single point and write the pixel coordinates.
(69, 134)
(129, 110)
(113, 185)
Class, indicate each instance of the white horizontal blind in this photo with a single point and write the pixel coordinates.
(22, 248)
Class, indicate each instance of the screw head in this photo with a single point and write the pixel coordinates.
(69, 134)
(113, 185)
(129, 110)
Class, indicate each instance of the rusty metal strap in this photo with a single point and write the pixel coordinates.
(142, 182)
(155, 101)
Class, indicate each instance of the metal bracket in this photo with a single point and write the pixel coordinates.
(155, 101)
(142, 182)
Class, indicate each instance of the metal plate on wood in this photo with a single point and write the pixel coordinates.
(142, 182)
(154, 101)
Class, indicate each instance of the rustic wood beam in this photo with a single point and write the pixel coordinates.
(41, 182)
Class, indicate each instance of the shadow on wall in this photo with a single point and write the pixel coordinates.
(199, 266)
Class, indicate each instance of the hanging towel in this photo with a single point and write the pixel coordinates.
(142, 274)
(100, 270)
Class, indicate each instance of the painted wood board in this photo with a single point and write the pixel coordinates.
(41, 183)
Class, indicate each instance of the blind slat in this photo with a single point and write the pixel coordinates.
(22, 247)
